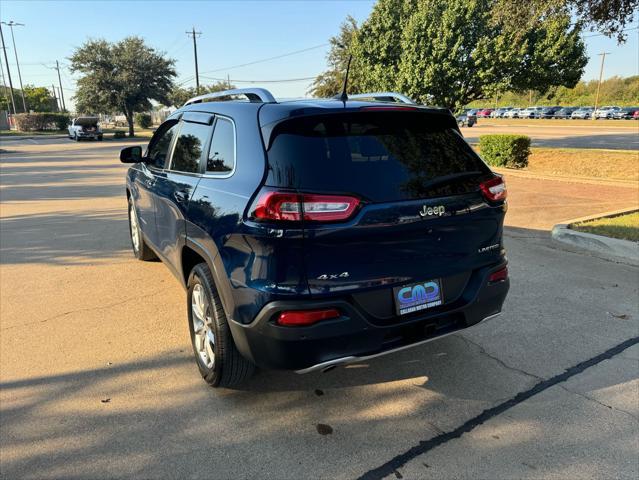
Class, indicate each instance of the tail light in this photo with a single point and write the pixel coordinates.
(301, 318)
(297, 206)
(499, 275)
(494, 189)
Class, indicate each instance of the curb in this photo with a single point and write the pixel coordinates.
(613, 247)
(29, 137)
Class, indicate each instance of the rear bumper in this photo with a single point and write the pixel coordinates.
(352, 337)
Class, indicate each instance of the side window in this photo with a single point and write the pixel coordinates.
(221, 158)
(189, 147)
(159, 148)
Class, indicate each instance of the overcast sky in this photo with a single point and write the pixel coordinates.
(233, 33)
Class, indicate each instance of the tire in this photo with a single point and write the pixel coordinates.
(141, 250)
(217, 357)
(100, 138)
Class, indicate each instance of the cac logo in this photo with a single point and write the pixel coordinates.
(423, 293)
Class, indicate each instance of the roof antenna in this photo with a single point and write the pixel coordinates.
(343, 97)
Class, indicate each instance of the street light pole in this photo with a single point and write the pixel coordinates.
(603, 58)
(12, 24)
(6, 60)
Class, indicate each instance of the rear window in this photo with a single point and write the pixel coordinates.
(379, 156)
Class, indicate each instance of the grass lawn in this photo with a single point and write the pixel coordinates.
(624, 227)
(15, 133)
(581, 162)
(547, 122)
(612, 164)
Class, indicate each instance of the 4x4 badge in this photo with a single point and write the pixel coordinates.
(437, 210)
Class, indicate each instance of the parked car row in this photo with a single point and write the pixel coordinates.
(606, 112)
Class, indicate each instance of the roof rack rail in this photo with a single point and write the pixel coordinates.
(254, 95)
(383, 97)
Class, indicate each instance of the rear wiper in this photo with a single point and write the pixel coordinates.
(451, 178)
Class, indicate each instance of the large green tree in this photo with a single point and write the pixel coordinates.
(609, 17)
(180, 95)
(123, 77)
(453, 52)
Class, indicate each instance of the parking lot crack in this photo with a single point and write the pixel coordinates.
(499, 361)
(594, 400)
(86, 309)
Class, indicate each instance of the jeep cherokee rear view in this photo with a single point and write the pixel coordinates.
(315, 233)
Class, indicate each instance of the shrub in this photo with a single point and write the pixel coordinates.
(143, 120)
(119, 134)
(29, 122)
(505, 150)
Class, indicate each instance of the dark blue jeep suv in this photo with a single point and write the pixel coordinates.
(315, 233)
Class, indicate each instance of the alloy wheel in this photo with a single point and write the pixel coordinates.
(203, 335)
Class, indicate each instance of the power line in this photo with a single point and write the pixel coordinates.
(283, 80)
(268, 59)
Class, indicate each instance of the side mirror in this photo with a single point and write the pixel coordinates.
(131, 154)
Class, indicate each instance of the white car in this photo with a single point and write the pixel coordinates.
(85, 127)
(512, 113)
(531, 112)
(583, 113)
(605, 112)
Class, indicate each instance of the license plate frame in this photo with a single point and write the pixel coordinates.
(410, 298)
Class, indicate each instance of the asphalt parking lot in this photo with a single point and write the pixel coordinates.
(613, 135)
(97, 377)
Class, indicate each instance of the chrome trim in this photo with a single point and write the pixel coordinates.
(210, 142)
(254, 95)
(227, 174)
(330, 364)
(380, 95)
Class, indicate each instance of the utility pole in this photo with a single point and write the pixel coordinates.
(12, 24)
(57, 67)
(55, 98)
(194, 34)
(6, 60)
(4, 88)
(603, 58)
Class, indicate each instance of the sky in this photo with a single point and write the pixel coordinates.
(233, 34)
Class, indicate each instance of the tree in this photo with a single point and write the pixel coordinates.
(451, 53)
(180, 95)
(610, 17)
(39, 99)
(123, 76)
(330, 82)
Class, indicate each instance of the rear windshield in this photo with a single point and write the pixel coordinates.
(380, 156)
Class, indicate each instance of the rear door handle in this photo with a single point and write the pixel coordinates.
(181, 196)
